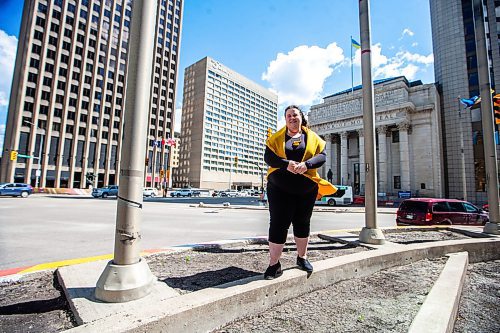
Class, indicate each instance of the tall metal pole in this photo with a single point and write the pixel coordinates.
(38, 171)
(370, 233)
(490, 153)
(462, 152)
(128, 277)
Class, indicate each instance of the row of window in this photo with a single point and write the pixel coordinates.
(53, 152)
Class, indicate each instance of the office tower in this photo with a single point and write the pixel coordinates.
(68, 93)
(455, 66)
(225, 119)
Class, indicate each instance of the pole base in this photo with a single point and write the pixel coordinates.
(371, 236)
(491, 228)
(124, 283)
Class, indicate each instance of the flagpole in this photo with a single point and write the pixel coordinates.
(462, 148)
(352, 70)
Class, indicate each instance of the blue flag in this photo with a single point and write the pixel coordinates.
(471, 101)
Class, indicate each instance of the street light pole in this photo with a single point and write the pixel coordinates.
(39, 158)
(464, 178)
(490, 153)
(128, 277)
(370, 234)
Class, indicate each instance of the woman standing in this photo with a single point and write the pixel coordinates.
(293, 155)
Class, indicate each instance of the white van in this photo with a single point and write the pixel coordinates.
(342, 197)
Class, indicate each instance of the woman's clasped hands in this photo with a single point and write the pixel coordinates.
(297, 167)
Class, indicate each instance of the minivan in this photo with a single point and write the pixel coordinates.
(431, 211)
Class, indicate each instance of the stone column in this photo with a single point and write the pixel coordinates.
(382, 158)
(362, 167)
(335, 160)
(404, 155)
(343, 158)
(328, 151)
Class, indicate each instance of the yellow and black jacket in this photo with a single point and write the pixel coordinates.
(314, 146)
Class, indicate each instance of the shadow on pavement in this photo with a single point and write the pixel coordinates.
(209, 278)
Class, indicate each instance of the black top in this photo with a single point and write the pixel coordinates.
(294, 151)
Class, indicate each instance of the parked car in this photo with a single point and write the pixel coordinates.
(106, 191)
(185, 192)
(229, 193)
(150, 192)
(431, 211)
(16, 189)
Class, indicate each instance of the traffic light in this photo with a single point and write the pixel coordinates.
(496, 108)
(13, 155)
(269, 132)
(147, 161)
(162, 173)
(236, 161)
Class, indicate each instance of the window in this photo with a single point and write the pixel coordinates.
(30, 92)
(40, 21)
(34, 63)
(36, 49)
(456, 207)
(470, 208)
(397, 182)
(395, 137)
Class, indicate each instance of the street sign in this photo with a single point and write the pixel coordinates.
(404, 194)
(24, 156)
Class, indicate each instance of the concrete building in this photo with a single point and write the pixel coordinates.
(408, 137)
(455, 66)
(225, 118)
(68, 94)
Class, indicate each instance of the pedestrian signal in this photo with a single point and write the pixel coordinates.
(13, 155)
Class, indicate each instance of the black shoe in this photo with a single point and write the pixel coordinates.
(304, 264)
(273, 271)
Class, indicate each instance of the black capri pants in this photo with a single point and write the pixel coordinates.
(286, 208)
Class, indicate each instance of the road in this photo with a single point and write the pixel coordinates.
(44, 228)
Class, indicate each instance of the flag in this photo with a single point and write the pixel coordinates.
(355, 44)
(171, 142)
(471, 101)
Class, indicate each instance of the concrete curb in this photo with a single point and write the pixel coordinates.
(440, 308)
(210, 308)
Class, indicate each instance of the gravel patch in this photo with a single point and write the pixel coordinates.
(386, 301)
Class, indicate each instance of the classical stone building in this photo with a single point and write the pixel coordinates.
(408, 137)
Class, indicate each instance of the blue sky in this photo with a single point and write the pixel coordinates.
(299, 49)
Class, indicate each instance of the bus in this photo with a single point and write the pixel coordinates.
(342, 197)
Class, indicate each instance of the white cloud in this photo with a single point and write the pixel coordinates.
(298, 76)
(8, 45)
(2, 136)
(414, 44)
(403, 63)
(406, 32)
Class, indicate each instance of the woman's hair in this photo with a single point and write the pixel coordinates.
(304, 120)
